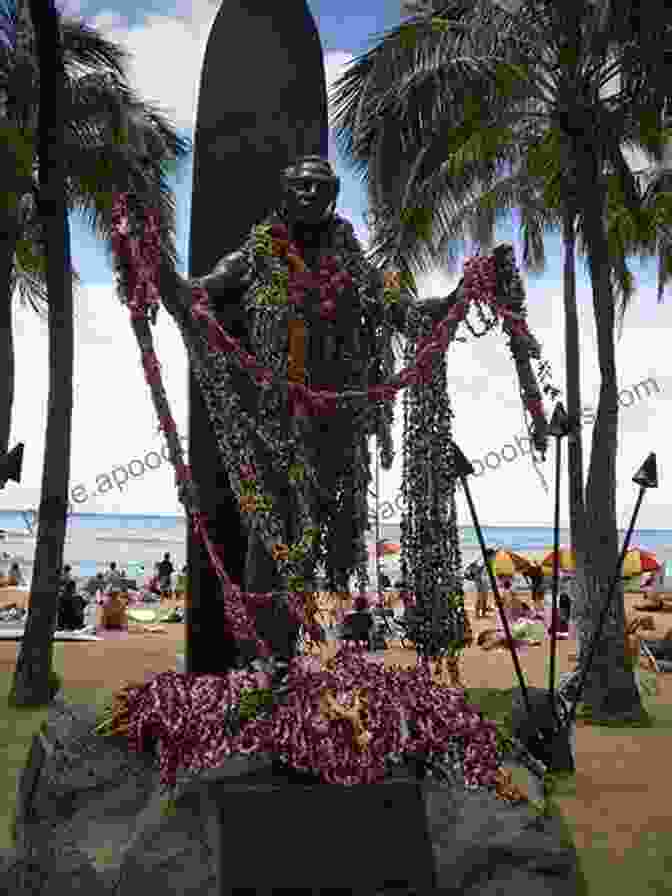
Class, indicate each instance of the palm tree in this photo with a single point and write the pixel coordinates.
(32, 685)
(114, 141)
(96, 138)
(442, 104)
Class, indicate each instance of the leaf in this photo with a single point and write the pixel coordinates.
(439, 24)
(419, 220)
(408, 35)
(508, 78)
(29, 257)
(168, 807)
(18, 149)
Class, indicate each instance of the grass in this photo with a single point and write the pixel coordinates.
(598, 872)
(17, 727)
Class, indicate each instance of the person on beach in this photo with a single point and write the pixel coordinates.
(165, 571)
(479, 575)
(95, 584)
(114, 617)
(564, 612)
(15, 575)
(66, 576)
(536, 579)
(70, 608)
(113, 579)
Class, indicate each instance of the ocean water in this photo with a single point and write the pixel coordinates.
(94, 539)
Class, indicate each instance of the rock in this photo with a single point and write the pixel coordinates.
(485, 847)
(554, 750)
(85, 802)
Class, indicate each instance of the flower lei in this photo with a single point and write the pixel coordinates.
(479, 288)
(350, 720)
(272, 240)
(138, 261)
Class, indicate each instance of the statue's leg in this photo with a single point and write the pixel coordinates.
(273, 622)
(333, 462)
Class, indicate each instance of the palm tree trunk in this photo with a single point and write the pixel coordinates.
(610, 690)
(32, 676)
(7, 247)
(577, 521)
(573, 380)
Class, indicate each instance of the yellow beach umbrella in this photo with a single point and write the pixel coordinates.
(503, 564)
(508, 563)
(567, 561)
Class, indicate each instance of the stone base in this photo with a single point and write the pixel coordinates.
(366, 838)
(97, 826)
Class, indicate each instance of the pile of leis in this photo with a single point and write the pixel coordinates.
(349, 722)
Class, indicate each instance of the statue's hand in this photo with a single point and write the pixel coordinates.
(230, 273)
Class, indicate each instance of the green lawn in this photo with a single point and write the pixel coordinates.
(600, 873)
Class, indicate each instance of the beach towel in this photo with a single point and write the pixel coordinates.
(135, 570)
(529, 630)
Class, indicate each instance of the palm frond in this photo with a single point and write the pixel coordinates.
(114, 142)
(86, 48)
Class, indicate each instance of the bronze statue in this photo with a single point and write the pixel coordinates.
(313, 311)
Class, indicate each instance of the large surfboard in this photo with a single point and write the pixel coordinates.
(262, 103)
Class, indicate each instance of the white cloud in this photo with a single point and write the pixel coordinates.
(181, 38)
(114, 420)
(113, 416)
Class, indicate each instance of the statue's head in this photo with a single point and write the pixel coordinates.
(310, 189)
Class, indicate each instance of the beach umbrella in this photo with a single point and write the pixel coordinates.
(502, 564)
(638, 561)
(508, 563)
(567, 561)
(385, 548)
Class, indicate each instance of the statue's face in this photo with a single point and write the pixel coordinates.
(308, 198)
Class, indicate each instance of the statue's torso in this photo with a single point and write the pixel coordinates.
(337, 353)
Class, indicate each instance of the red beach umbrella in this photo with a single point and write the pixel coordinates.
(637, 561)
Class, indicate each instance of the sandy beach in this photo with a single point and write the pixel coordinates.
(125, 656)
(613, 770)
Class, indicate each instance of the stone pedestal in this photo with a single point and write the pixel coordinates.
(270, 834)
(97, 826)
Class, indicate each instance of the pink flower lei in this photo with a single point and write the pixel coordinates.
(329, 280)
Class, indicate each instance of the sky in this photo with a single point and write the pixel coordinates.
(113, 418)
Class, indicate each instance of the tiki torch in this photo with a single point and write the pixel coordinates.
(464, 469)
(558, 428)
(646, 477)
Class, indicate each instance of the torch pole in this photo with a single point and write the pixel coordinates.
(605, 609)
(498, 600)
(556, 576)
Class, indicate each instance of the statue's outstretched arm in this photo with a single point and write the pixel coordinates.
(223, 284)
(523, 345)
(229, 274)
(436, 308)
